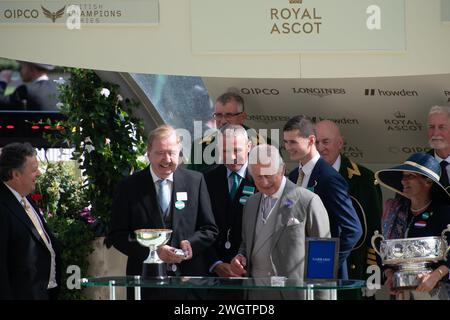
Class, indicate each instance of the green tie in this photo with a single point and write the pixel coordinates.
(235, 185)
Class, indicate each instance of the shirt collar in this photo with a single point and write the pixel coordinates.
(309, 166)
(337, 164)
(156, 178)
(14, 192)
(277, 195)
(439, 159)
(240, 172)
(42, 78)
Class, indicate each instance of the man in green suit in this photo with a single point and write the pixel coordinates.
(365, 195)
(229, 109)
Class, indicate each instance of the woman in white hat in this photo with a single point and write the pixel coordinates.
(421, 209)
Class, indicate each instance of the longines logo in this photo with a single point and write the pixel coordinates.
(260, 91)
(401, 123)
(391, 93)
(352, 151)
(319, 92)
(53, 15)
(295, 20)
(407, 149)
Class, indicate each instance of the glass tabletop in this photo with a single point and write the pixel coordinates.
(276, 283)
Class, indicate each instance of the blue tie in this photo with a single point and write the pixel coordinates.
(234, 187)
(444, 176)
(163, 196)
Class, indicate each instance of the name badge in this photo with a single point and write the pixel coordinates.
(181, 196)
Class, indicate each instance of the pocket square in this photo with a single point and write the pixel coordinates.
(292, 221)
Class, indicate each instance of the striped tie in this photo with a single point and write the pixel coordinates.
(301, 176)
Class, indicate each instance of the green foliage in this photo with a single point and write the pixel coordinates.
(63, 199)
(106, 137)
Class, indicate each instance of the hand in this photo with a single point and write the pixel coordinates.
(389, 274)
(428, 281)
(225, 270)
(167, 254)
(185, 245)
(238, 265)
(5, 75)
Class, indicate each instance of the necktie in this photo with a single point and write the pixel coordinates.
(444, 175)
(235, 184)
(301, 175)
(35, 220)
(267, 206)
(164, 196)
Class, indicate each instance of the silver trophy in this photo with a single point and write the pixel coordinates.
(153, 239)
(411, 256)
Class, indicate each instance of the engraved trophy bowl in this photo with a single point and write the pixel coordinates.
(411, 256)
(153, 239)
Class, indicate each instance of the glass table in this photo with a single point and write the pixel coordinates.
(271, 283)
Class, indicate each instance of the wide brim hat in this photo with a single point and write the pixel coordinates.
(421, 163)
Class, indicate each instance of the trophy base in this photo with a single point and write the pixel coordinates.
(407, 279)
(150, 270)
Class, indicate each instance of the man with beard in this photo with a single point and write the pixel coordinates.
(439, 139)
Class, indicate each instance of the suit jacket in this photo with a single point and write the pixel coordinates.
(367, 201)
(300, 214)
(24, 257)
(227, 212)
(333, 191)
(37, 96)
(447, 186)
(135, 207)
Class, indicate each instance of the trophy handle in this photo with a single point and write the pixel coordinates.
(444, 237)
(375, 237)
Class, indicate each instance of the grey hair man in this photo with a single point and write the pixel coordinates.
(439, 139)
(276, 222)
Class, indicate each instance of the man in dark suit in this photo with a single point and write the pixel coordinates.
(38, 93)
(439, 139)
(315, 174)
(229, 109)
(164, 196)
(229, 187)
(366, 198)
(29, 255)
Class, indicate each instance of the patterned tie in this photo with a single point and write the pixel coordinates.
(235, 184)
(164, 196)
(267, 206)
(301, 175)
(35, 220)
(444, 175)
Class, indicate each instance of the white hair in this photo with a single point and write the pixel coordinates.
(266, 155)
(440, 109)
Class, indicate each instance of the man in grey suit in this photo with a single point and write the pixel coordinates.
(276, 222)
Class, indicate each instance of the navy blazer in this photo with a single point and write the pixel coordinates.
(332, 189)
(136, 206)
(24, 257)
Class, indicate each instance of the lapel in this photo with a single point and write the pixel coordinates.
(315, 173)
(179, 185)
(17, 209)
(149, 199)
(252, 219)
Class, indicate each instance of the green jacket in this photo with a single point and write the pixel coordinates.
(208, 143)
(367, 201)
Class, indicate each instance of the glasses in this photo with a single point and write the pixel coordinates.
(225, 115)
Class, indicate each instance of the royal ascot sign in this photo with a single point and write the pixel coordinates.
(296, 26)
(94, 12)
